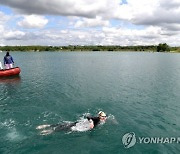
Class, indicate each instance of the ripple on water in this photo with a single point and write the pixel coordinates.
(8, 123)
(140, 89)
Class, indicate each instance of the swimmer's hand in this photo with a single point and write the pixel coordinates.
(42, 126)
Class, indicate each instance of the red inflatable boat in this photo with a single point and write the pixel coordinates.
(10, 72)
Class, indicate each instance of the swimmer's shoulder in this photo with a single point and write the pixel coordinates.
(93, 118)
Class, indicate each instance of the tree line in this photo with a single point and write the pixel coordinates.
(162, 47)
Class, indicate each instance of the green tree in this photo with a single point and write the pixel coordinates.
(163, 47)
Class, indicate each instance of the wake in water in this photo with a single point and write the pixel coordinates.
(85, 123)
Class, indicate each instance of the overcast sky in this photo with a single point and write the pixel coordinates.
(89, 22)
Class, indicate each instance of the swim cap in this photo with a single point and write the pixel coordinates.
(101, 113)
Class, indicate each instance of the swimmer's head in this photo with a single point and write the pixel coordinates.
(102, 115)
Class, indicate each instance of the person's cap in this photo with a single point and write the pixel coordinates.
(102, 114)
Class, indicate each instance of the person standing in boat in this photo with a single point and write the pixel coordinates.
(8, 61)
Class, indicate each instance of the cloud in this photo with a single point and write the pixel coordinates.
(151, 12)
(169, 5)
(4, 18)
(90, 22)
(14, 35)
(85, 22)
(125, 36)
(107, 36)
(87, 8)
(33, 21)
(171, 27)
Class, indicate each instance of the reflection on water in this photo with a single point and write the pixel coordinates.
(10, 80)
(9, 87)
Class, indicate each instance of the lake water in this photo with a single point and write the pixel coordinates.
(138, 91)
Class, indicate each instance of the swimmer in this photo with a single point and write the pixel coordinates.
(94, 121)
(74, 126)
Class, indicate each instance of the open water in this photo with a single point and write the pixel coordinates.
(140, 92)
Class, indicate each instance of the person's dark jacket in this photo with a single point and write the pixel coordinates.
(8, 60)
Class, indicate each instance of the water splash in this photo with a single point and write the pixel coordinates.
(111, 118)
(81, 126)
(14, 135)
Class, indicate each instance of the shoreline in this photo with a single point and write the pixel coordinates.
(92, 51)
(70, 48)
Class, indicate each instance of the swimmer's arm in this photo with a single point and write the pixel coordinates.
(91, 124)
(43, 126)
